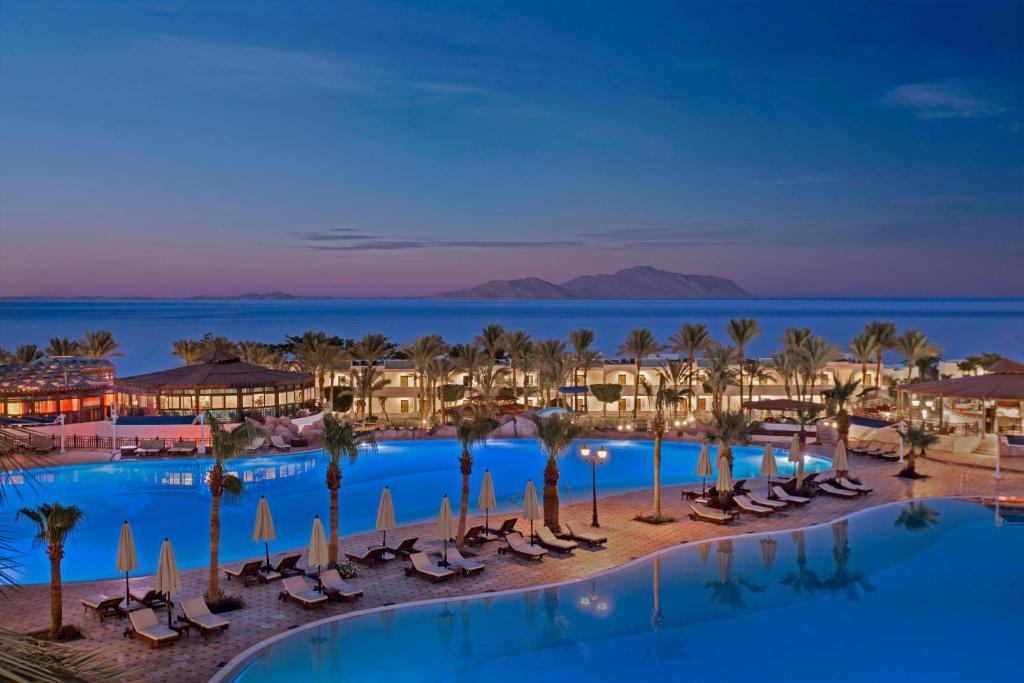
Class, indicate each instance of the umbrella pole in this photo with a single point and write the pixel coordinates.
(266, 547)
(531, 532)
(168, 609)
(127, 593)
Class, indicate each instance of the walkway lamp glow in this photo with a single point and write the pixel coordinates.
(593, 459)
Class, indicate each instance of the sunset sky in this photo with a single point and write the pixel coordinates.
(386, 148)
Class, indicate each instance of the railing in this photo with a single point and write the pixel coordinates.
(107, 443)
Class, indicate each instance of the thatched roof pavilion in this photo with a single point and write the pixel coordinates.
(80, 388)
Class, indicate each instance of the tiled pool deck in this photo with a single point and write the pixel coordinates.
(196, 659)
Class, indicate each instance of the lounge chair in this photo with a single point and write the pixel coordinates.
(704, 513)
(782, 495)
(847, 484)
(182, 448)
(152, 599)
(337, 588)
(279, 443)
(740, 487)
(590, 538)
(507, 527)
(466, 566)
(547, 539)
(750, 506)
(516, 544)
(478, 534)
(250, 573)
(150, 447)
(420, 564)
(103, 605)
(41, 444)
(837, 492)
(765, 501)
(405, 548)
(146, 625)
(195, 611)
(372, 556)
(298, 591)
(862, 447)
(288, 566)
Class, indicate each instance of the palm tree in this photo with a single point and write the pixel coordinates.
(837, 399)
(585, 360)
(664, 395)
(492, 339)
(916, 516)
(490, 380)
(759, 372)
(805, 416)
(742, 331)
(6, 356)
(217, 345)
(469, 432)
(226, 445)
(812, 359)
(254, 352)
(672, 373)
(188, 350)
(580, 341)
(371, 348)
(556, 434)
(691, 340)
(804, 579)
(551, 355)
(785, 366)
(27, 353)
(720, 373)
(883, 335)
(54, 524)
(99, 344)
(517, 345)
(914, 346)
(367, 380)
(917, 438)
(639, 343)
(340, 438)
(423, 351)
(470, 359)
(62, 347)
(320, 356)
(864, 348)
(728, 428)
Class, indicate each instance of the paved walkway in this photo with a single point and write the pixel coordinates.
(197, 659)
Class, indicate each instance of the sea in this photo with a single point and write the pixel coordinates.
(145, 328)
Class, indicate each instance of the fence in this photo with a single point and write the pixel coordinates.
(107, 443)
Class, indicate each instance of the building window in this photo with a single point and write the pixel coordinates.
(622, 404)
(702, 404)
(622, 378)
(403, 405)
(403, 381)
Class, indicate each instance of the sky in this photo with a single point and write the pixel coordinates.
(400, 149)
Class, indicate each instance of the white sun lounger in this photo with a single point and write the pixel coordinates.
(548, 540)
(335, 585)
(467, 566)
(765, 501)
(837, 492)
(422, 566)
(750, 506)
(702, 512)
(145, 624)
(588, 537)
(197, 613)
(517, 545)
(847, 484)
(781, 494)
(298, 591)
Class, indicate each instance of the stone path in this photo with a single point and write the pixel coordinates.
(196, 659)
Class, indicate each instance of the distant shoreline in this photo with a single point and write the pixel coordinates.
(203, 299)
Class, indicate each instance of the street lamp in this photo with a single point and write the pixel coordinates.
(593, 458)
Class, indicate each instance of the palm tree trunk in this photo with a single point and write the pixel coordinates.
(636, 390)
(467, 467)
(800, 464)
(551, 495)
(741, 377)
(56, 593)
(213, 588)
(333, 484)
(657, 474)
(878, 369)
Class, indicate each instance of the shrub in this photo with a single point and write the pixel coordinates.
(348, 570)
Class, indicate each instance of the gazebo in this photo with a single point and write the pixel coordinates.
(78, 388)
(221, 384)
(991, 403)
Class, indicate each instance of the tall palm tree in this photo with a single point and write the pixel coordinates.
(720, 373)
(423, 351)
(367, 380)
(470, 359)
(884, 335)
(742, 331)
(672, 374)
(728, 428)
(517, 344)
(662, 397)
(490, 380)
(253, 352)
(918, 439)
(27, 353)
(492, 339)
(795, 338)
(551, 356)
(99, 344)
(812, 360)
(759, 372)
(864, 348)
(371, 348)
(691, 339)
(340, 438)
(639, 344)
(585, 360)
(62, 347)
(226, 445)
(320, 356)
(6, 356)
(469, 432)
(837, 399)
(54, 524)
(556, 434)
(914, 345)
(806, 415)
(785, 365)
(188, 350)
(220, 344)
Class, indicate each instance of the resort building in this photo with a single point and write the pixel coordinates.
(221, 384)
(79, 388)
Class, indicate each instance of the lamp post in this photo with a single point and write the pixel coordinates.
(60, 421)
(593, 458)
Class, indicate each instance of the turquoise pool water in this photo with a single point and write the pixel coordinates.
(169, 497)
(924, 592)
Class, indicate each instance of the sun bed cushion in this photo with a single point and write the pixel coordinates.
(764, 501)
(847, 484)
(747, 504)
(297, 589)
(455, 559)
(548, 539)
(333, 582)
(518, 544)
(145, 623)
(788, 497)
(198, 612)
(422, 564)
(590, 537)
(702, 510)
(833, 491)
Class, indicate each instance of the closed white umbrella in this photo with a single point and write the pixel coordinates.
(724, 482)
(724, 560)
(385, 515)
(768, 466)
(840, 461)
(530, 509)
(445, 526)
(263, 529)
(768, 548)
(316, 555)
(168, 580)
(127, 560)
(794, 452)
(486, 501)
(704, 467)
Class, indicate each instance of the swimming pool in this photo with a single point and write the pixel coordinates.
(928, 591)
(169, 497)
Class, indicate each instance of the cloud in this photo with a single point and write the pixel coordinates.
(402, 245)
(670, 233)
(798, 180)
(332, 235)
(940, 100)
